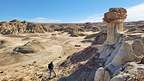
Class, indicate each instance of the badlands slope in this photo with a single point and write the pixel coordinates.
(17, 66)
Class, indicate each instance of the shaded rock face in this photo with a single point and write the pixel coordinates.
(81, 56)
(82, 64)
(100, 38)
(142, 61)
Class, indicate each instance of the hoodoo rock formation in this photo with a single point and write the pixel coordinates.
(114, 20)
(114, 37)
(117, 51)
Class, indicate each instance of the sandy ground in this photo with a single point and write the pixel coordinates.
(54, 47)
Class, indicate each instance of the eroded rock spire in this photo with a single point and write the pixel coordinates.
(114, 19)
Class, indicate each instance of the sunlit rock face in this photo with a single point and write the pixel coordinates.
(114, 20)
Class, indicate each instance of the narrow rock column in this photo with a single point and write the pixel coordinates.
(112, 47)
(114, 20)
(111, 33)
(120, 28)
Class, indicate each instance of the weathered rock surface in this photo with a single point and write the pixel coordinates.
(30, 47)
(132, 72)
(97, 38)
(16, 26)
(115, 14)
(81, 64)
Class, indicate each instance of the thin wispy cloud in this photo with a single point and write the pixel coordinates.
(94, 18)
(44, 20)
(136, 13)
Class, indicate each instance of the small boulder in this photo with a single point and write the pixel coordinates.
(23, 50)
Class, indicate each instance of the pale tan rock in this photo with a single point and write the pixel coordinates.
(124, 55)
(102, 75)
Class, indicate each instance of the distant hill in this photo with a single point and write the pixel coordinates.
(17, 26)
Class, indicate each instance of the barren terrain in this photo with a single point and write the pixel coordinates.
(74, 49)
(56, 47)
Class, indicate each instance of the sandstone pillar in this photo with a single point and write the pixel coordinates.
(114, 20)
(113, 44)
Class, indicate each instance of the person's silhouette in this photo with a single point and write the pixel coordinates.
(51, 70)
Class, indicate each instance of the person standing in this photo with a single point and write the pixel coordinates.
(51, 69)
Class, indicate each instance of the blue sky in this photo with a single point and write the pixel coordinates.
(67, 10)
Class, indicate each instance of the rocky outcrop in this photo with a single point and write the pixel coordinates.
(29, 47)
(131, 72)
(117, 51)
(15, 27)
(100, 38)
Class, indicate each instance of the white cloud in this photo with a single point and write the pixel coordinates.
(44, 20)
(136, 12)
(94, 18)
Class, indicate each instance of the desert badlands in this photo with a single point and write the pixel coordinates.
(112, 50)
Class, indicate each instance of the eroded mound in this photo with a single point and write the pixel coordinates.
(29, 47)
